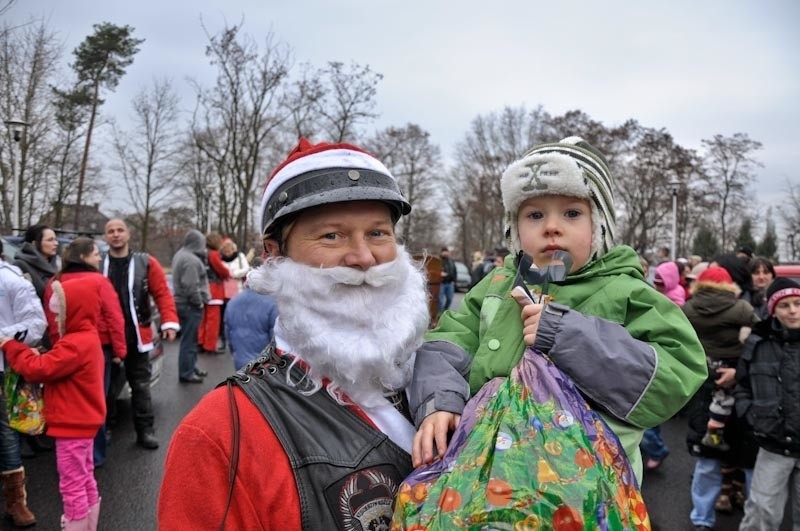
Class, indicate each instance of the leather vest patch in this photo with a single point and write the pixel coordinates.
(363, 500)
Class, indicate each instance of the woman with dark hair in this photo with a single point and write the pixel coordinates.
(81, 260)
(763, 273)
(38, 256)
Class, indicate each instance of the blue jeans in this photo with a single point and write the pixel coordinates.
(653, 445)
(189, 317)
(706, 486)
(10, 457)
(446, 292)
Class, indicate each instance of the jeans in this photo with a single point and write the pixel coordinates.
(653, 445)
(189, 317)
(76, 476)
(446, 292)
(100, 442)
(774, 478)
(10, 458)
(706, 486)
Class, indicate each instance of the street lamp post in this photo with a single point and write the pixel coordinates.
(17, 128)
(209, 189)
(674, 184)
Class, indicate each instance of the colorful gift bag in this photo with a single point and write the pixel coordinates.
(529, 453)
(24, 404)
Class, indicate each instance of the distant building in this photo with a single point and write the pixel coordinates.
(91, 220)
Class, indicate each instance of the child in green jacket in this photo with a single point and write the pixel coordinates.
(630, 351)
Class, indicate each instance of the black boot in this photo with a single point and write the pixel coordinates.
(147, 439)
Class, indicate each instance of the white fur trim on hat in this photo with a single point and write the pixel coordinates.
(563, 168)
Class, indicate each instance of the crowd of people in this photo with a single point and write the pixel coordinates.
(83, 325)
(340, 390)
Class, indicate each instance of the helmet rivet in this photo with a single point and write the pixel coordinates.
(353, 175)
(283, 197)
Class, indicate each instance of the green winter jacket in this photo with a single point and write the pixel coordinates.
(640, 362)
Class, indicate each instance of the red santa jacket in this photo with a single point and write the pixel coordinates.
(110, 322)
(72, 371)
(216, 287)
(158, 289)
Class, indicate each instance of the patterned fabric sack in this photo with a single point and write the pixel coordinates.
(529, 453)
(24, 404)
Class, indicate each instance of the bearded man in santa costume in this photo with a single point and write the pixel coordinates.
(315, 433)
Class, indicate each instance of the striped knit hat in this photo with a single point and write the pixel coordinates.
(572, 168)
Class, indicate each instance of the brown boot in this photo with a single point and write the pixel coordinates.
(15, 496)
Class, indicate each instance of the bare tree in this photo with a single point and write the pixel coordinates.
(237, 121)
(728, 172)
(148, 155)
(416, 163)
(790, 212)
(348, 100)
(29, 58)
(492, 143)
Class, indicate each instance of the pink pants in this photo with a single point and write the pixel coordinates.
(75, 462)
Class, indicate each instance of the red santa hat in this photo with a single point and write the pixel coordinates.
(318, 174)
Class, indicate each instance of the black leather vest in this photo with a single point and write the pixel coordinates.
(347, 472)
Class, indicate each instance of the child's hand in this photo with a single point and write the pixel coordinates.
(531, 313)
(727, 377)
(436, 426)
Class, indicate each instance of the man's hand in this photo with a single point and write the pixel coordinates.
(436, 427)
(168, 334)
(727, 377)
(116, 360)
(531, 314)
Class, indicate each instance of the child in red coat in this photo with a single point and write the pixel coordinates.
(75, 404)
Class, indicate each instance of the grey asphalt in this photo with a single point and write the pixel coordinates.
(130, 480)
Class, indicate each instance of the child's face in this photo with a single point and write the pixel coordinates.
(787, 311)
(555, 222)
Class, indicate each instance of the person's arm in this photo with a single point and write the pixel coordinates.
(159, 290)
(239, 267)
(111, 314)
(215, 262)
(59, 362)
(642, 372)
(743, 392)
(29, 321)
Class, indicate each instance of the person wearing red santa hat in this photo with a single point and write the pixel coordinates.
(315, 433)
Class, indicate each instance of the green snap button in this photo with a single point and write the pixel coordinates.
(493, 344)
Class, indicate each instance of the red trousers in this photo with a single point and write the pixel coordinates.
(208, 333)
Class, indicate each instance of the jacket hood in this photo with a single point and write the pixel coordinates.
(31, 256)
(195, 242)
(76, 305)
(711, 301)
(668, 272)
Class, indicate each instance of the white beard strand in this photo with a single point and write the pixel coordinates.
(358, 329)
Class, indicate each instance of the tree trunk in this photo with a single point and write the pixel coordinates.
(85, 158)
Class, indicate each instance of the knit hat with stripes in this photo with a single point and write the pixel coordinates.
(570, 167)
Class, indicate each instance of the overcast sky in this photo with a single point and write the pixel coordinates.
(696, 68)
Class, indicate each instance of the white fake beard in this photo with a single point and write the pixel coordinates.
(359, 329)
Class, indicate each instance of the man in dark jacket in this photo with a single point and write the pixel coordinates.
(190, 286)
(138, 278)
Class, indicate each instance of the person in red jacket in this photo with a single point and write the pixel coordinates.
(75, 405)
(217, 272)
(315, 433)
(139, 281)
(81, 260)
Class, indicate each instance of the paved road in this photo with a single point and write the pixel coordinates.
(130, 480)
